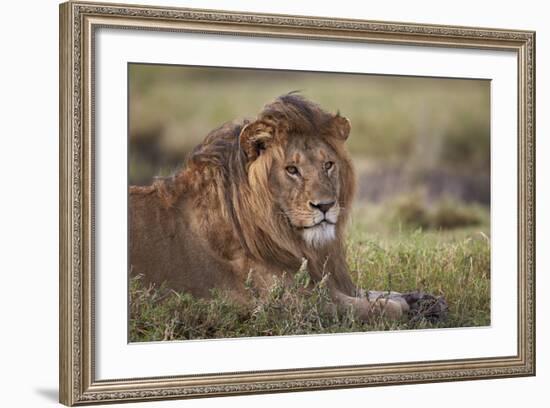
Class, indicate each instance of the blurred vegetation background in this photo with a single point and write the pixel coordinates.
(421, 149)
(429, 137)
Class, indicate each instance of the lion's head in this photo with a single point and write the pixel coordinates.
(285, 179)
(298, 150)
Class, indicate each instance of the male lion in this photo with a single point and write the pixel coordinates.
(256, 197)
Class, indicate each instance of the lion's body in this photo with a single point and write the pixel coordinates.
(164, 248)
(237, 207)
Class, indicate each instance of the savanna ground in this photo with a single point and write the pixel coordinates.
(421, 148)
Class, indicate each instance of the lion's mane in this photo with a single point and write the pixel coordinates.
(224, 188)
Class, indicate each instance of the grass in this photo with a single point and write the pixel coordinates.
(382, 255)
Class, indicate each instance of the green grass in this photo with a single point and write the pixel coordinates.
(382, 255)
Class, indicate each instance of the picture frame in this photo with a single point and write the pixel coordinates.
(80, 23)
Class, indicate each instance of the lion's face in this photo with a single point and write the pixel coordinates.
(305, 185)
(299, 173)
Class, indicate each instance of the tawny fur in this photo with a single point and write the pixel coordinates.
(235, 209)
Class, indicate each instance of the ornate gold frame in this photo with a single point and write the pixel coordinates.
(78, 22)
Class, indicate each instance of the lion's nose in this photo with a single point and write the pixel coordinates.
(322, 206)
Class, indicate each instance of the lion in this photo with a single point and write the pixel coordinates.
(256, 198)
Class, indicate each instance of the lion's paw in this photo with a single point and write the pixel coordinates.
(425, 306)
(388, 308)
(415, 305)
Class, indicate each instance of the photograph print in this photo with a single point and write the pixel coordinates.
(278, 202)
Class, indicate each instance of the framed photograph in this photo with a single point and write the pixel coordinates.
(256, 203)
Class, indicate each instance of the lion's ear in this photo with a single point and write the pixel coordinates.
(255, 137)
(342, 126)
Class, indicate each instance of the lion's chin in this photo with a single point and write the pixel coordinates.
(319, 235)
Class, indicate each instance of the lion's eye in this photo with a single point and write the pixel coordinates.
(329, 165)
(292, 170)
